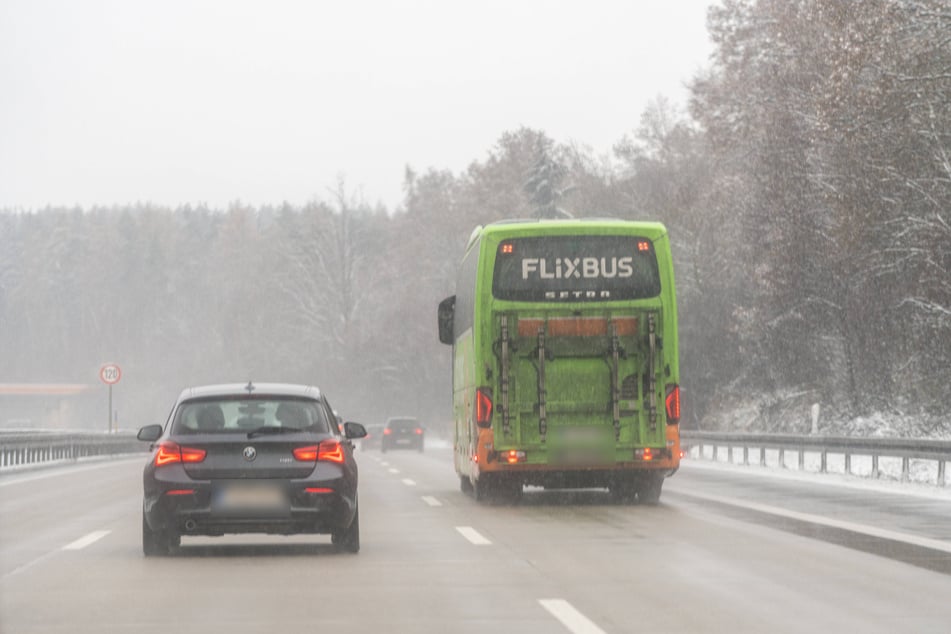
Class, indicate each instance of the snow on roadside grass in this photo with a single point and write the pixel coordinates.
(791, 413)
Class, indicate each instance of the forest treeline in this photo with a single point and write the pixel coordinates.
(807, 190)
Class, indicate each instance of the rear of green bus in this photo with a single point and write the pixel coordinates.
(565, 368)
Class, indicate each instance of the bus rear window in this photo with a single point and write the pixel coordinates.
(575, 268)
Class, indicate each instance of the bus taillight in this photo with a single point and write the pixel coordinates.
(513, 456)
(484, 407)
(673, 403)
(646, 454)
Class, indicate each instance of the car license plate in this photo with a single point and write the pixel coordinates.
(403, 441)
(251, 498)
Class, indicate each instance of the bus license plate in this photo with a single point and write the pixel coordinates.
(577, 456)
(582, 435)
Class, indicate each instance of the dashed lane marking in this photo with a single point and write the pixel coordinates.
(571, 618)
(82, 542)
(473, 535)
(430, 500)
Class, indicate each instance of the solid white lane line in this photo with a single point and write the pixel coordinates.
(30, 564)
(82, 542)
(394, 470)
(863, 529)
(76, 545)
(10, 477)
(571, 618)
(408, 482)
(430, 500)
(473, 535)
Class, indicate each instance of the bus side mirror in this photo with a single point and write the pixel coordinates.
(445, 316)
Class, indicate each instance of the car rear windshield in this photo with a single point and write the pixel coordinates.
(403, 424)
(575, 268)
(241, 414)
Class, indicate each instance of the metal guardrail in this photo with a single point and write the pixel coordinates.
(26, 448)
(20, 449)
(906, 449)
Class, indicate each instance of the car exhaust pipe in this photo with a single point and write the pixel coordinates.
(190, 525)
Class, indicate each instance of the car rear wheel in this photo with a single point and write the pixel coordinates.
(156, 543)
(348, 539)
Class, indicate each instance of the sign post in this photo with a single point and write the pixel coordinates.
(110, 373)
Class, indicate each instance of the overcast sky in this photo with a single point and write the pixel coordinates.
(214, 101)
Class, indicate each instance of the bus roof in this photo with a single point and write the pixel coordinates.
(647, 229)
(534, 226)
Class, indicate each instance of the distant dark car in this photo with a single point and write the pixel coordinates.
(254, 458)
(373, 439)
(402, 432)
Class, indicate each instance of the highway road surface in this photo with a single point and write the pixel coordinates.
(722, 552)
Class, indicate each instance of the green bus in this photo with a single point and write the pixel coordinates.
(565, 368)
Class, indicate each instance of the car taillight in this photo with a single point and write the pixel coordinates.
(170, 453)
(419, 431)
(387, 431)
(331, 451)
(306, 454)
(193, 455)
(673, 403)
(484, 407)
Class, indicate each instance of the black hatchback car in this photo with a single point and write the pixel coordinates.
(254, 458)
(402, 432)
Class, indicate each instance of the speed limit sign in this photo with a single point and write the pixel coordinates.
(110, 374)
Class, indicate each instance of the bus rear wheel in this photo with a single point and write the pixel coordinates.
(495, 487)
(509, 490)
(482, 488)
(624, 490)
(649, 488)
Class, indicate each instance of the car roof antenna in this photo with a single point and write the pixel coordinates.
(249, 387)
